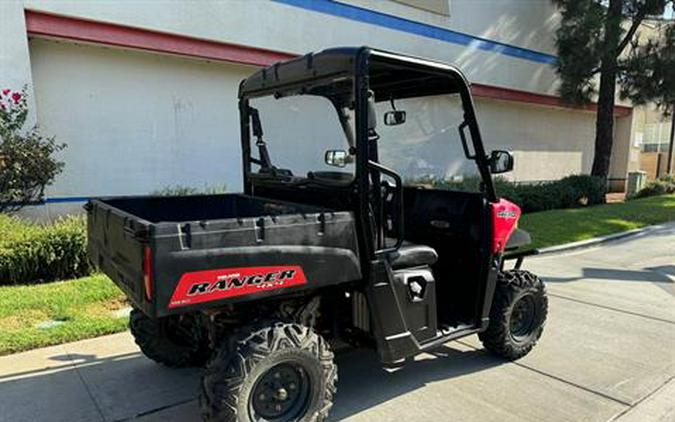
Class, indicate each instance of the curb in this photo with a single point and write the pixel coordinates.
(589, 243)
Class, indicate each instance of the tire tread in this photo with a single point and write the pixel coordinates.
(155, 345)
(497, 338)
(226, 373)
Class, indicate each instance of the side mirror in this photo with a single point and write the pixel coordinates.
(394, 118)
(337, 158)
(500, 162)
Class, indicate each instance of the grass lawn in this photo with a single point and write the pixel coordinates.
(83, 308)
(556, 227)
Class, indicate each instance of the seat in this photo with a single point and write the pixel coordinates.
(412, 255)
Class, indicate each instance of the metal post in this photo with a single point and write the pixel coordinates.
(669, 167)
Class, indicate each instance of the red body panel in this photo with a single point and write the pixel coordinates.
(505, 215)
(205, 286)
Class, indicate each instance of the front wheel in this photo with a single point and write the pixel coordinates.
(517, 316)
(278, 371)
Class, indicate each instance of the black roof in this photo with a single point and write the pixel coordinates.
(390, 74)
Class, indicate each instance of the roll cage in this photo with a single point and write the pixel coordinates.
(355, 74)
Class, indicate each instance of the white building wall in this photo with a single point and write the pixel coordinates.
(15, 70)
(137, 121)
(524, 23)
(548, 142)
(278, 26)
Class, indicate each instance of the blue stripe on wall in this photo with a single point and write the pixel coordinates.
(384, 20)
(62, 200)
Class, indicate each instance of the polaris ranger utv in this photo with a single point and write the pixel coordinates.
(337, 237)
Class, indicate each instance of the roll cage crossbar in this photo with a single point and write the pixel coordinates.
(360, 70)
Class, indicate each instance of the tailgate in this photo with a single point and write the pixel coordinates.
(116, 244)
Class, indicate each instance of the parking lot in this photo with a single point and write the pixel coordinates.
(607, 353)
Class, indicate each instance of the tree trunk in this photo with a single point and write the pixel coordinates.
(604, 124)
(672, 141)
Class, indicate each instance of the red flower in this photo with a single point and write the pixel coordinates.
(2, 106)
(16, 97)
(5, 91)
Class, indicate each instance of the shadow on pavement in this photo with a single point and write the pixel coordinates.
(128, 386)
(664, 269)
(652, 275)
(69, 360)
(363, 383)
(88, 388)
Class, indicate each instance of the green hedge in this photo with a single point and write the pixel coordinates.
(660, 186)
(32, 253)
(569, 192)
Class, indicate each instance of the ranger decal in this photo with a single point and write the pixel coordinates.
(205, 286)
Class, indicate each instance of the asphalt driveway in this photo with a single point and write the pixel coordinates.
(608, 353)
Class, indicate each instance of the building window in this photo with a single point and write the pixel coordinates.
(440, 7)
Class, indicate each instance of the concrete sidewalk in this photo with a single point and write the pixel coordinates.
(608, 353)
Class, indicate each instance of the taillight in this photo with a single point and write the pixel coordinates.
(147, 272)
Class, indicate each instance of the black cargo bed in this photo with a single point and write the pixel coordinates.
(264, 247)
(172, 209)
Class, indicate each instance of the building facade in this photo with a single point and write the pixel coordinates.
(144, 93)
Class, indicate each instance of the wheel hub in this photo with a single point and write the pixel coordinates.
(281, 394)
(523, 318)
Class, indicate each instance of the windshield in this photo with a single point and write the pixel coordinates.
(298, 130)
(426, 149)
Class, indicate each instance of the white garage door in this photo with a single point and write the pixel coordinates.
(137, 122)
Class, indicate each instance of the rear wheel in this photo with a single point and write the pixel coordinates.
(517, 316)
(279, 371)
(175, 341)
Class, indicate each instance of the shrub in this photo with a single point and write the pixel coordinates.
(26, 162)
(569, 192)
(660, 186)
(13, 230)
(584, 189)
(32, 253)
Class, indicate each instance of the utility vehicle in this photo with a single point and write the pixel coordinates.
(342, 235)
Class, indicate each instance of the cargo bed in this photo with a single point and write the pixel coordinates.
(182, 253)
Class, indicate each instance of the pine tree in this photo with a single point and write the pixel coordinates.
(603, 37)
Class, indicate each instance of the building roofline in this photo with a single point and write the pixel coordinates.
(78, 29)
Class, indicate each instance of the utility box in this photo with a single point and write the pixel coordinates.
(636, 181)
